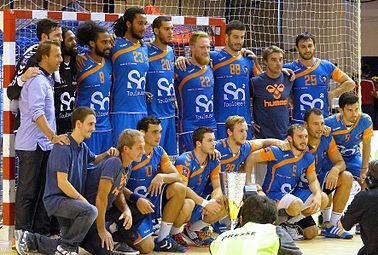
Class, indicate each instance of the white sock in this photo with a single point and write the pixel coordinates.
(335, 217)
(326, 214)
(165, 228)
(296, 219)
(175, 231)
(198, 225)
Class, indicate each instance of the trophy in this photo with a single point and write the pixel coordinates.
(232, 184)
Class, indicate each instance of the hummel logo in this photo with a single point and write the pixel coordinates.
(286, 155)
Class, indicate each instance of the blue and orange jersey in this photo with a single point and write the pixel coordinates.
(130, 66)
(284, 169)
(321, 152)
(348, 139)
(159, 82)
(195, 174)
(270, 105)
(195, 93)
(144, 171)
(231, 91)
(327, 146)
(95, 81)
(311, 86)
(230, 162)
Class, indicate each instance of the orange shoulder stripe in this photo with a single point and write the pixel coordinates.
(345, 131)
(189, 77)
(279, 164)
(227, 62)
(123, 51)
(91, 71)
(309, 70)
(159, 56)
(143, 163)
(225, 161)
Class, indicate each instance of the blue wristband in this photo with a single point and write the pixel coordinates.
(134, 197)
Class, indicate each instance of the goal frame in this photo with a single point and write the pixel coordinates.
(8, 20)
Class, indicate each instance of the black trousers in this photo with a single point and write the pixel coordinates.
(31, 214)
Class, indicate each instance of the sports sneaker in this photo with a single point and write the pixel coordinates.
(198, 238)
(205, 236)
(295, 231)
(21, 245)
(18, 234)
(123, 248)
(168, 245)
(358, 229)
(25, 242)
(62, 251)
(334, 232)
(219, 227)
(180, 239)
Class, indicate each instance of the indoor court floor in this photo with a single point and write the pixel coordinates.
(320, 245)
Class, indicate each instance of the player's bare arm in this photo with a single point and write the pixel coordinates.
(338, 167)
(104, 188)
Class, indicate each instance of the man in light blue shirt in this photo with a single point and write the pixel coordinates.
(35, 139)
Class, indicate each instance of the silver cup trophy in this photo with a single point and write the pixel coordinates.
(232, 184)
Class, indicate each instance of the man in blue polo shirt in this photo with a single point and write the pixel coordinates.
(103, 187)
(65, 183)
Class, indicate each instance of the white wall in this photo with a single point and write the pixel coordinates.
(369, 29)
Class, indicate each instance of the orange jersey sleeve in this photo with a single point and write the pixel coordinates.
(165, 161)
(215, 173)
(368, 133)
(255, 70)
(337, 74)
(332, 147)
(311, 168)
(266, 154)
(184, 172)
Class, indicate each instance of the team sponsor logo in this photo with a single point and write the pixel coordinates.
(204, 107)
(136, 80)
(204, 103)
(166, 87)
(303, 181)
(286, 188)
(141, 190)
(311, 102)
(276, 90)
(234, 96)
(324, 79)
(348, 151)
(230, 89)
(67, 102)
(98, 99)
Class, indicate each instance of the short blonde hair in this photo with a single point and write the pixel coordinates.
(197, 35)
(233, 120)
(127, 138)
